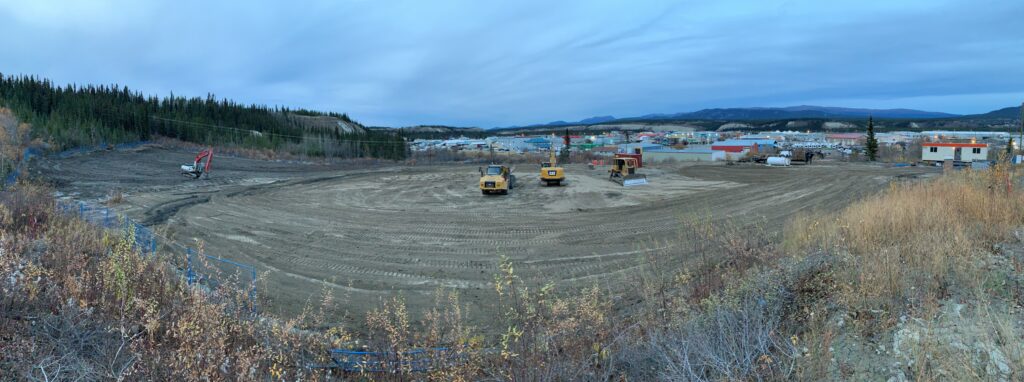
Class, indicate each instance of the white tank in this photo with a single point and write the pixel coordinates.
(778, 161)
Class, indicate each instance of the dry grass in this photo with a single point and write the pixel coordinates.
(111, 313)
(916, 240)
(904, 257)
(740, 304)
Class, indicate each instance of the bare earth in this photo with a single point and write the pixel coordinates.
(370, 233)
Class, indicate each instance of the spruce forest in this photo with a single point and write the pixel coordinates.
(74, 116)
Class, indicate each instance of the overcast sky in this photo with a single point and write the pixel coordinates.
(475, 63)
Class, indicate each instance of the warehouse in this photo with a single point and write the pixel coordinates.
(685, 155)
(737, 148)
(845, 139)
(955, 151)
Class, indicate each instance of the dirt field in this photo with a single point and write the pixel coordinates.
(371, 233)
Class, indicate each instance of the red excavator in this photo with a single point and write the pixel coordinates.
(201, 166)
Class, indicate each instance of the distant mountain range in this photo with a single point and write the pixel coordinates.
(765, 113)
(585, 121)
(1007, 113)
(818, 118)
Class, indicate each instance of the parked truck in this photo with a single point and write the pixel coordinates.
(496, 179)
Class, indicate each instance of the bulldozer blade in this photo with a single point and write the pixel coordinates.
(634, 181)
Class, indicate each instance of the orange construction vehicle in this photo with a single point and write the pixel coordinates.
(200, 167)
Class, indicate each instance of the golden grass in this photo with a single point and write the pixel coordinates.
(914, 250)
(916, 237)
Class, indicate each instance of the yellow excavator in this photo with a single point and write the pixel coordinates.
(496, 179)
(550, 173)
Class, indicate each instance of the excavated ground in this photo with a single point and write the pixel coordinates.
(371, 233)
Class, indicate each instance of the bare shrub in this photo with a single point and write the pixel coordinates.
(81, 303)
(725, 249)
(115, 197)
(727, 342)
(548, 337)
(440, 345)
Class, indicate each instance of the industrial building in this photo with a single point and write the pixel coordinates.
(741, 145)
(685, 155)
(955, 151)
(845, 139)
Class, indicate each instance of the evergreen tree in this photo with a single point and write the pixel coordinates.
(88, 115)
(871, 144)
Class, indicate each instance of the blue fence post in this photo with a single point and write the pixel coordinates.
(189, 276)
(252, 292)
(140, 237)
(81, 210)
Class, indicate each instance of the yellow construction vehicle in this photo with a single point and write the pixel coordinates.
(550, 173)
(496, 179)
(623, 172)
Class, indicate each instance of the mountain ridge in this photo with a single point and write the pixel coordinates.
(762, 113)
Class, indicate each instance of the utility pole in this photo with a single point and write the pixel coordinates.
(1020, 141)
(566, 144)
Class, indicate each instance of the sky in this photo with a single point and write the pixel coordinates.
(505, 63)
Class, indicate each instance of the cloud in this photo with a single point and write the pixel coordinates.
(497, 64)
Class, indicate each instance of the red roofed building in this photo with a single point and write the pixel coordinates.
(741, 145)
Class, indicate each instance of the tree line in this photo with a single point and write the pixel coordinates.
(72, 116)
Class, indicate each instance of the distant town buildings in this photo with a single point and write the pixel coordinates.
(963, 146)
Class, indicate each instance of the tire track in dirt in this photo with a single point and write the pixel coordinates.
(382, 232)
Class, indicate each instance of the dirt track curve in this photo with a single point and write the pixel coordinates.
(371, 233)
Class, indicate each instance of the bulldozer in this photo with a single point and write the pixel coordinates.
(496, 179)
(550, 173)
(200, 167)
(624, 173)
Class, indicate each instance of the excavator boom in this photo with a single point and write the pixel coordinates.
(200, 166)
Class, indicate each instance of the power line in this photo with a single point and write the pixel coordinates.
(261, 133)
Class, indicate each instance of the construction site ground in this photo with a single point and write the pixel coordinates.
(369, 233)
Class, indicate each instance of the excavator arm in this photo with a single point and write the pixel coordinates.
(205, 154)
(200, 166)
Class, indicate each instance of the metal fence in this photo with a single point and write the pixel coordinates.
(210, 272)
(416, 360)
(20, 167)
(100, 147)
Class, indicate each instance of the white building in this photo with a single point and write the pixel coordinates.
(685, 155)
(962, 152)
(977, 135)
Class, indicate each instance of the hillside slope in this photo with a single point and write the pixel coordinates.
(72, 116)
